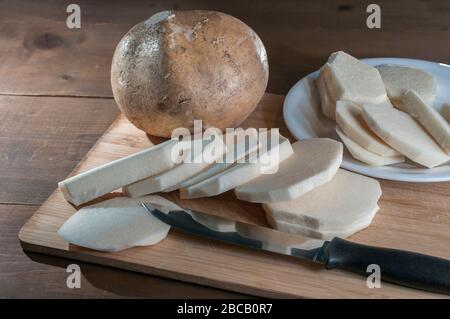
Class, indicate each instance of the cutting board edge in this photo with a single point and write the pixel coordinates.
(182, 277)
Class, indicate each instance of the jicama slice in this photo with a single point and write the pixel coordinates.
(366, 156)
(268, 158)
(337, 205)
(106, 178)
(429, 117)
(314, 162)
(207, 173)
(350, 121)
(403, 133)
(238, 148)
(326, 234)
(194, 163)
(352, 80)
(116, 224)
(398, 79)
(326, 101)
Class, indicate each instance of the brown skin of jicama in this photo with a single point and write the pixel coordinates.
(191, 65)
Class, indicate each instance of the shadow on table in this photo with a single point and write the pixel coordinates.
(122, 283)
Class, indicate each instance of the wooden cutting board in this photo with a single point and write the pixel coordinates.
(412, 216)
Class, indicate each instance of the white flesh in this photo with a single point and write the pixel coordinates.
(325, 234)
(399, 79)
(430, 119)
(326, 101)
(116, 224)
(347, 199)
(106, 178)
(194, 163)
(267, 161)
(403, 133)
(366, 156)
(350, 120)
(314, 163)
(235, 153)
(352, 80)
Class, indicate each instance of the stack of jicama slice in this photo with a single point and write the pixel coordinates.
(373, 131)
(339, 208)
(359, 139)
(300, 184)
(310, 195)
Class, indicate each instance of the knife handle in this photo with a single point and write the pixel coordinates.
(397, 266)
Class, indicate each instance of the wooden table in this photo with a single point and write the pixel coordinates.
(56, 100)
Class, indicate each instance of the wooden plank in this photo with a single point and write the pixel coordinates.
(40, 55)
(412, 216)
(42, 139)
(28, 275)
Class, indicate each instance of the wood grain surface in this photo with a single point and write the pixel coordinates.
(413, 218)
(44, 138)
(41, 57)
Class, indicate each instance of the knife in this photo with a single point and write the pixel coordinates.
(396, 266)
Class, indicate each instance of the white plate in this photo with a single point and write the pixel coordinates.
(304, 120)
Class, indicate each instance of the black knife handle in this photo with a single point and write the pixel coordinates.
(398, 266)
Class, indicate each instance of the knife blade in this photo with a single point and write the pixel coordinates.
(401, 267)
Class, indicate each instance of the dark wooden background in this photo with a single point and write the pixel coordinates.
(56, 100)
